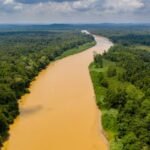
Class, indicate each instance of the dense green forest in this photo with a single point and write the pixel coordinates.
(22, 56)
(121, 79)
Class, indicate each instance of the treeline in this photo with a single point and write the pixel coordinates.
(111, 30)
(121, 79)
(131, 39)
(126, 35)
(22, 56)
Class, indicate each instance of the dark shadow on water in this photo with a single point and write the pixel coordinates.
(31, 110)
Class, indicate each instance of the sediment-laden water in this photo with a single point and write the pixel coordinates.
(60, 113)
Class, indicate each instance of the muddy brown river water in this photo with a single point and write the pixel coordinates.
(60, 113)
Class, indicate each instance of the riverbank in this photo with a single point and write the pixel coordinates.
(24, 89)
(122, 95)
(77, 50)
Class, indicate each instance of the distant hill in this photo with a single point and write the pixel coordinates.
(46, 27)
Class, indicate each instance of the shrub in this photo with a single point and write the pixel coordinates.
(104, 83)
(111, 72)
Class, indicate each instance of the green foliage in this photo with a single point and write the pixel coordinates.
(109, 120)
(116, 98)
(3, 127)
(131, 39)
(98, 59)
(104, 83)
(131, 142)
(111, 72)
(135, 62)
(128, 94)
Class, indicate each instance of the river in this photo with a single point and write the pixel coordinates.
(60, 113)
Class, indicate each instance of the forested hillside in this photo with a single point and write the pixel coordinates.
(121, 79)
(22, 56)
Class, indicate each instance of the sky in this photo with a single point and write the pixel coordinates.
(74, 11)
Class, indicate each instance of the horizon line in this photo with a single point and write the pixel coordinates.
(28, 23)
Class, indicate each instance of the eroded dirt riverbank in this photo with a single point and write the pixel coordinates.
(60, 113)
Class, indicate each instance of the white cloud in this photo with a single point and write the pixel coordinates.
(18, 7)
(83, 4)
(122, 5)
(73, 10)
(5, 2)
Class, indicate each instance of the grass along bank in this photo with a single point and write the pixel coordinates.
(78, 49)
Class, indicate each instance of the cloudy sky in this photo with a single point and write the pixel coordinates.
(74, 11)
